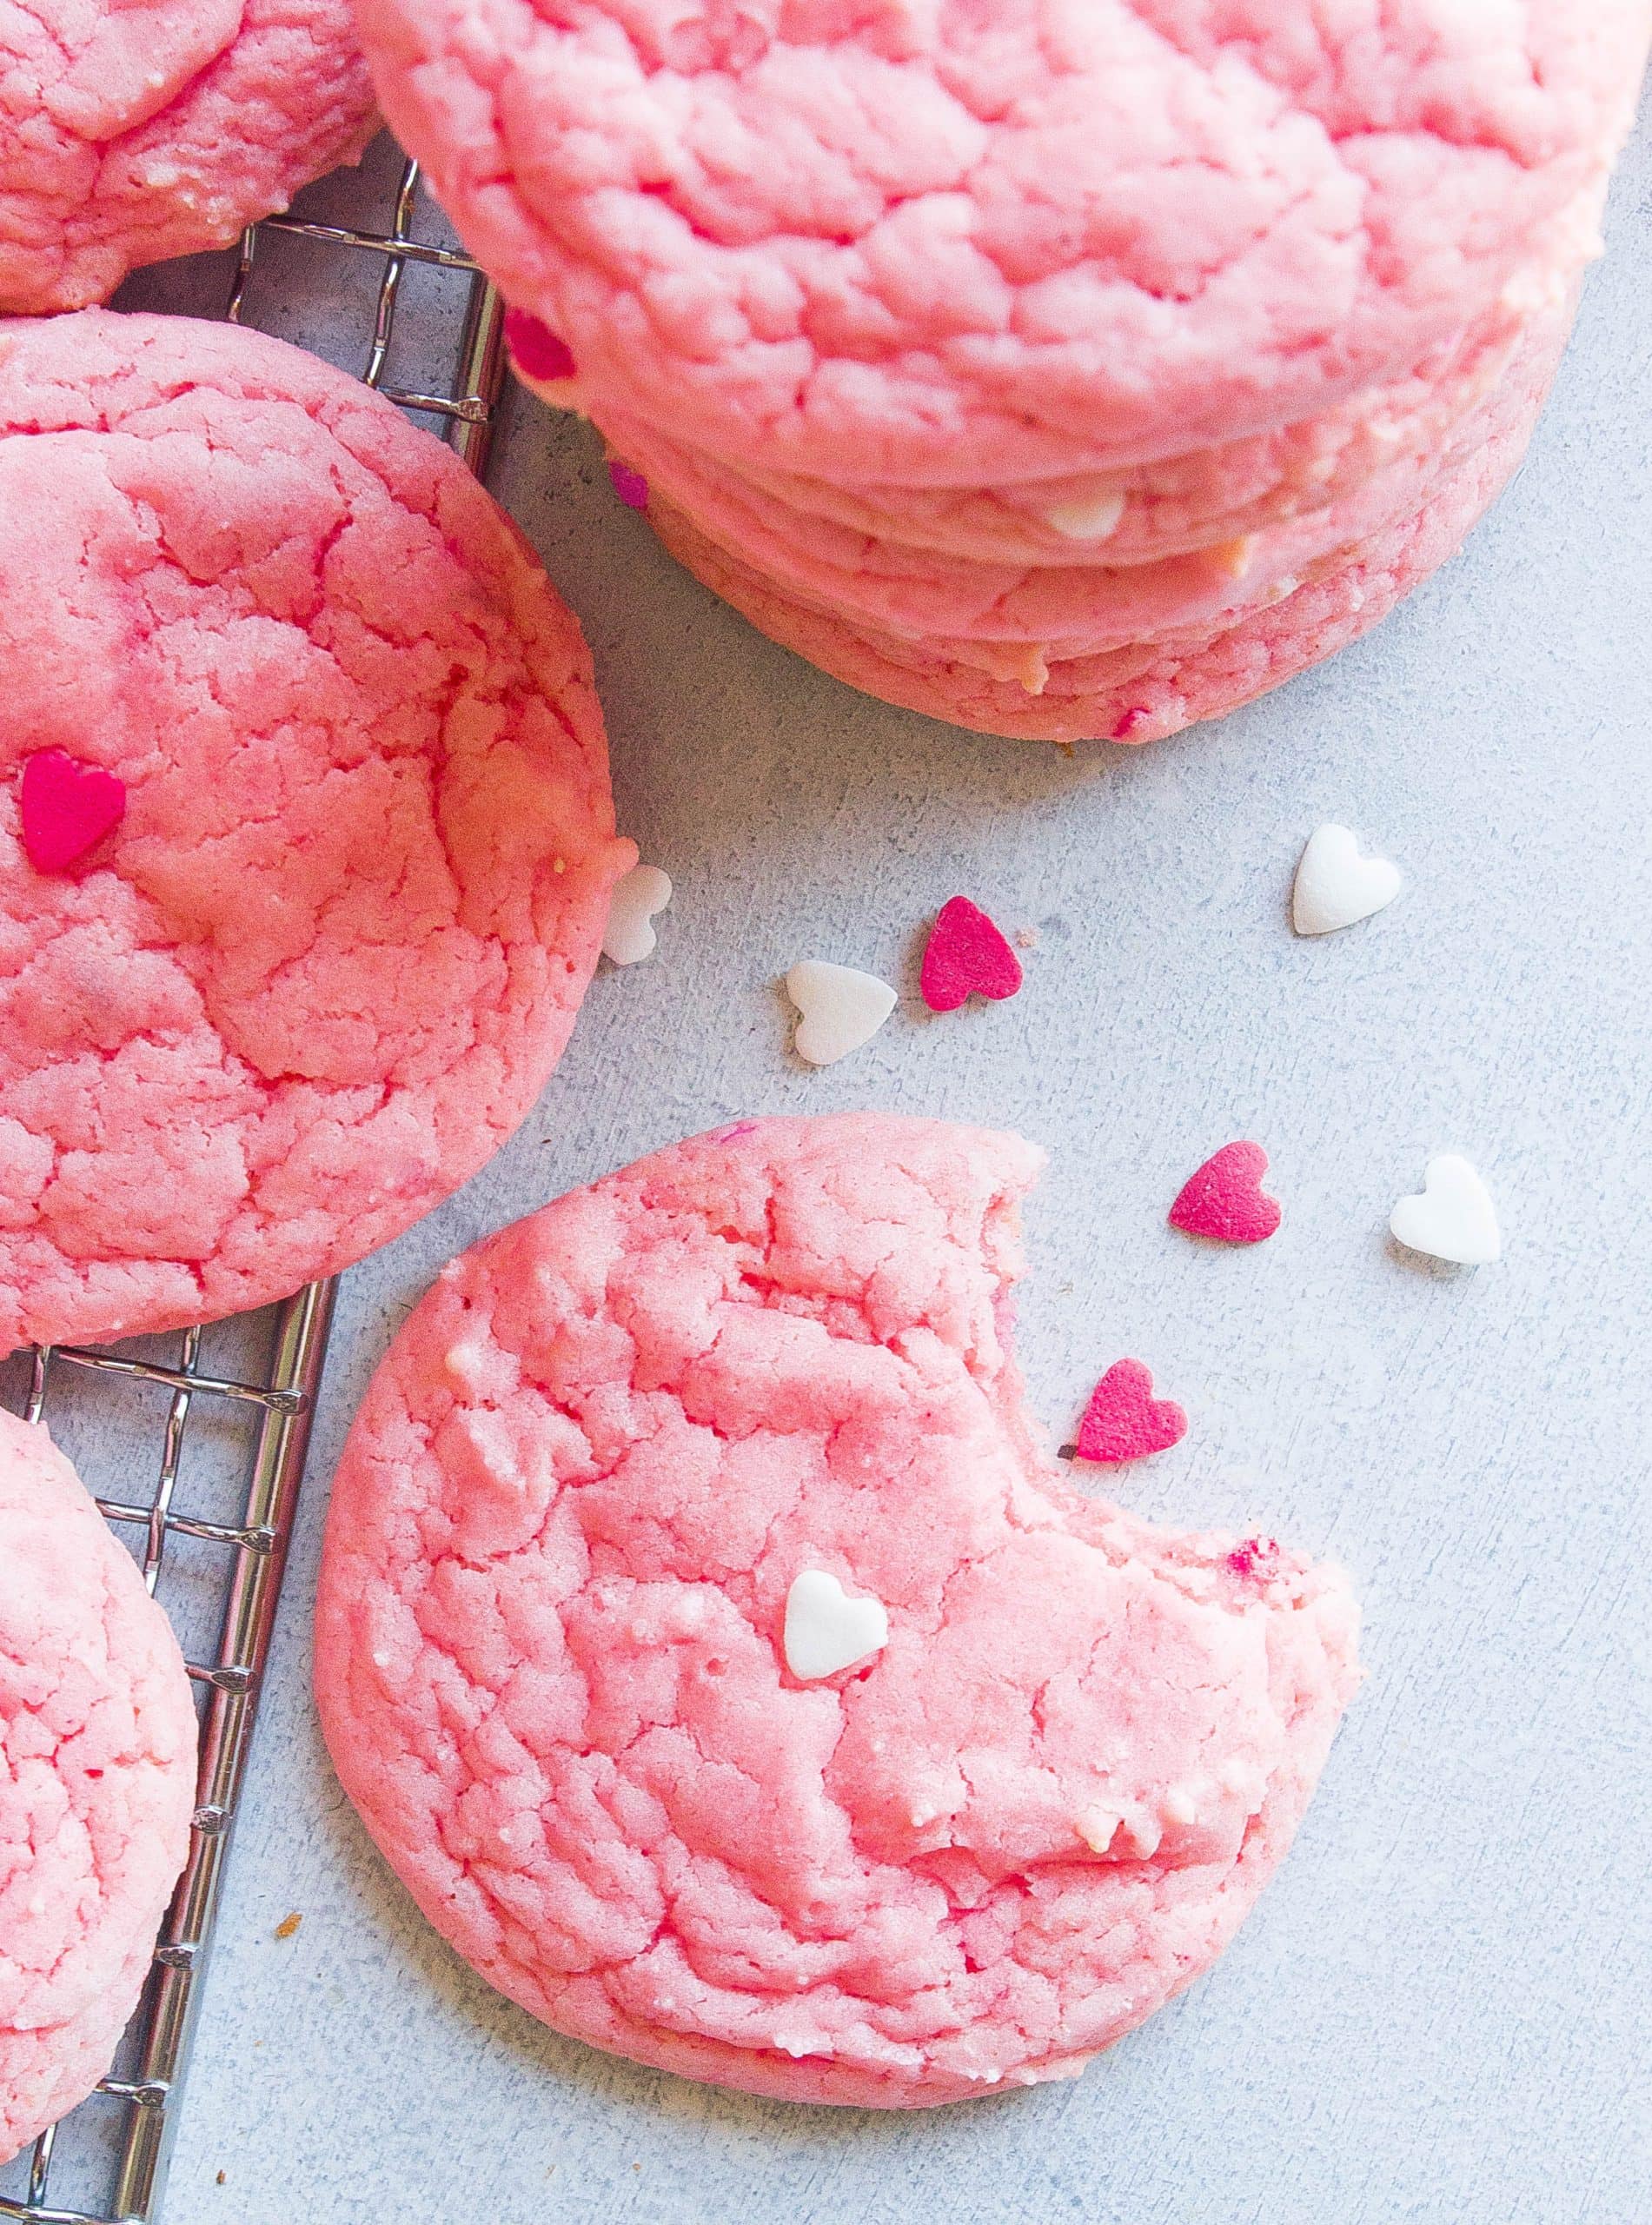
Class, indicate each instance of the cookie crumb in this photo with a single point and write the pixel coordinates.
(288, 1925)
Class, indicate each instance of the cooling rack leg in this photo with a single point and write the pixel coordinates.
(301, 1332)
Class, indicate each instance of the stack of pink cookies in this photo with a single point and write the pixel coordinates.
(1063, 371)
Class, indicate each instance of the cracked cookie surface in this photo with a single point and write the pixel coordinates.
(130, 133)
(327, 961)
(551, 1659)
(946, 242)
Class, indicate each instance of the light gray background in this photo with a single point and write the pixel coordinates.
(1439, 2010)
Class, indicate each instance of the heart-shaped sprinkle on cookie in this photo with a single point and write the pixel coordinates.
(839, 1008)
(966, 955)
(638, 897)
(1124, 1421)
(1335, 886)
(1453, 1218)
(629, 485)
(67, 808)
(825, 1629)
(1225, 1198)
(538, 353)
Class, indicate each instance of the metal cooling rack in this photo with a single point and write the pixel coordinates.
(221, 1577)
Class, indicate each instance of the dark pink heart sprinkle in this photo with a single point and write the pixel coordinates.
(965, 952)
(1124, 1421)
(630, 485)
(1258, 1556)
(537, 351)
(1133, 722)
(67, 808)
(1225, 1198)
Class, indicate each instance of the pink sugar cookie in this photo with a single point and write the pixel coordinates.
(97, 1774)
(1146, 690)
(328, 957)
(730, 1672)
(1145, 514)
(958, 607)
(956, 243)
(131, 134)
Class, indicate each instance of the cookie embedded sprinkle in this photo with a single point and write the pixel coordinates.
(629, 485)
(67, 808)
(537, 352)
(826, 1630)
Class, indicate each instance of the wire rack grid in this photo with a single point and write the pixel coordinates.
(121, 2137)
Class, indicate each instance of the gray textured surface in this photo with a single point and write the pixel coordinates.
(1439, 2010)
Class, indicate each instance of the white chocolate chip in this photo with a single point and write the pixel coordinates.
(1097, 1828)
(1180, 1806)
(1096, 518)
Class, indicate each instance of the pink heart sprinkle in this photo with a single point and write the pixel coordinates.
(1133, 722)
(1225, 1198)
(630, 485)
(1124, 1421)
(67, 808)
(966, 952)
(537, 351)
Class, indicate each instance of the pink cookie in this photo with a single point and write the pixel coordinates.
(1149, 689)
(97, 1773)
(960, 608)
(966, 244)
(131, 133)
(1004, 1780)
(325, 961)
(1143, 515)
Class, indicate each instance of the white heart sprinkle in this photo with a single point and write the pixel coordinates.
(839, 1008)
(1335, 886)
(1454, 1218)
(1097, 520)
(637, 896)
(825, 1629)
